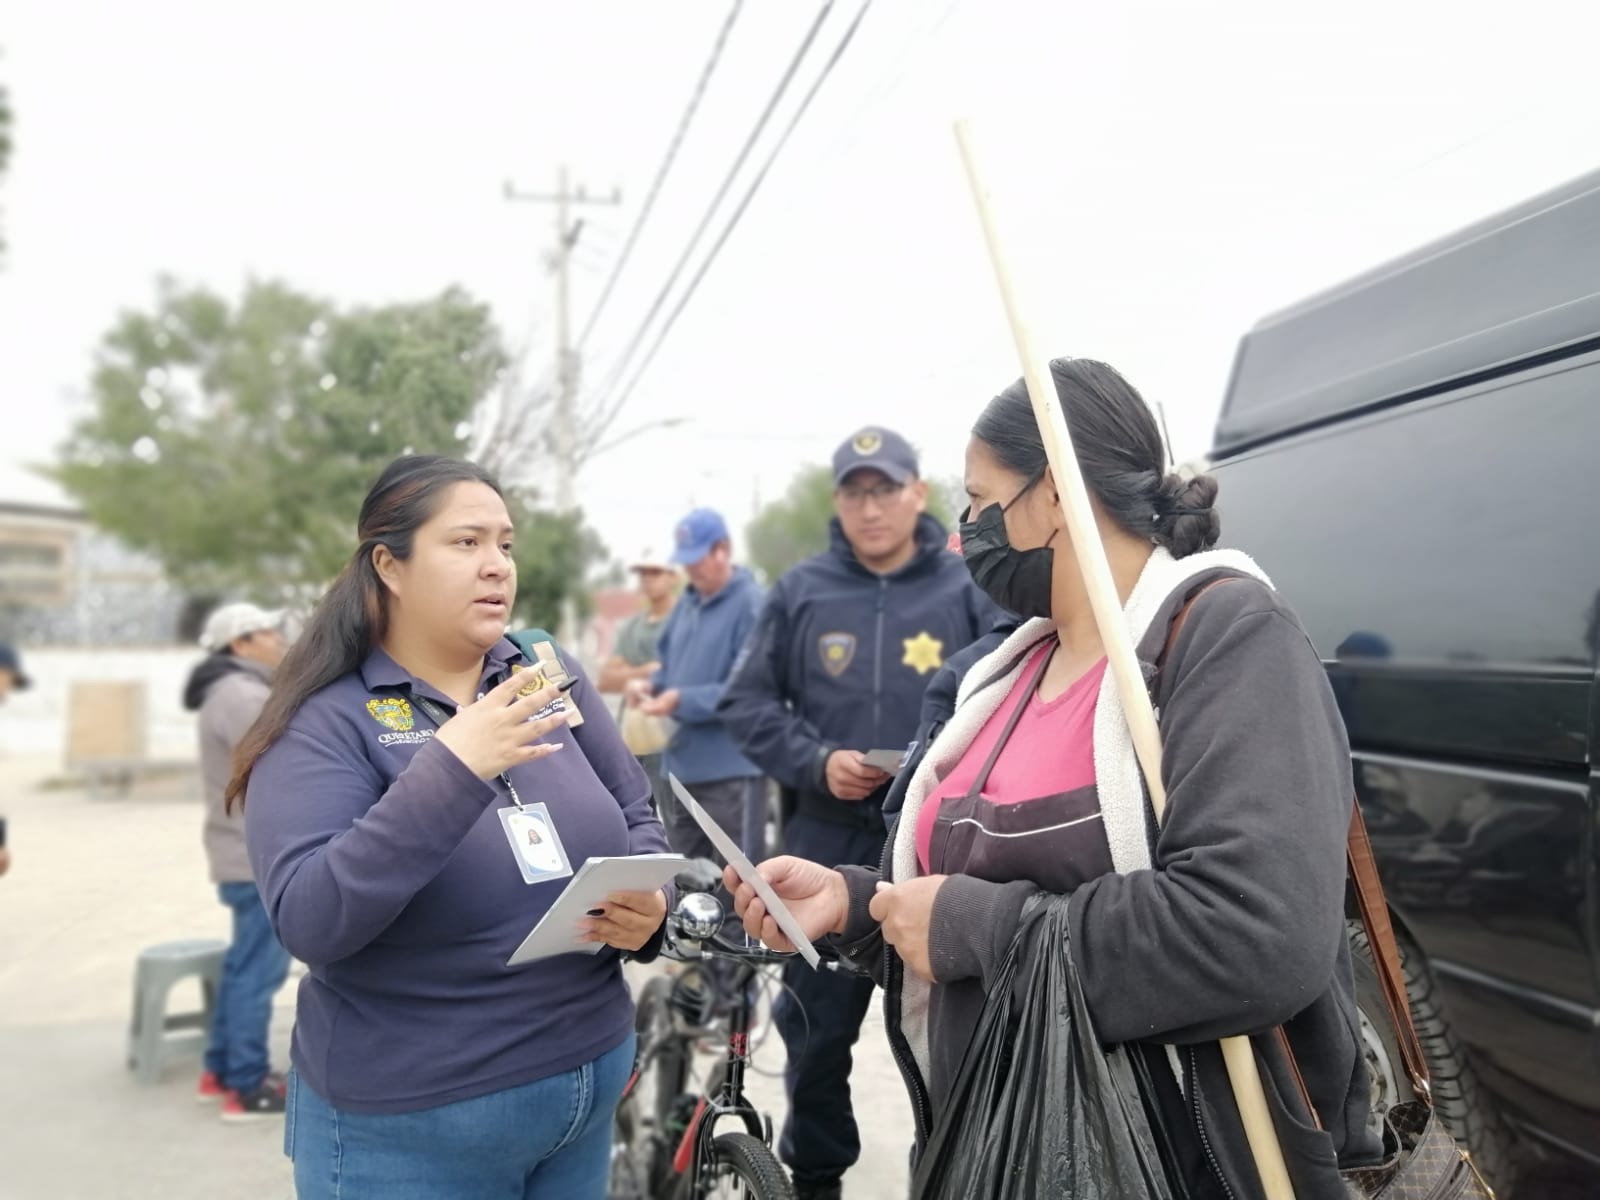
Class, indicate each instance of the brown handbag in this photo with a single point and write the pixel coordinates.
(1422, 1161)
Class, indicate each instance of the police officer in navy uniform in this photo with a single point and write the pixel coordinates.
(836, 667)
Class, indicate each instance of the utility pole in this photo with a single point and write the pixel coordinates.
(564, 431)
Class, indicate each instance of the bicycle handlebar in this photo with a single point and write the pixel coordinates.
(717, 946)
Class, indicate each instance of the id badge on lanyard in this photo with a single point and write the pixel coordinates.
(529, 829)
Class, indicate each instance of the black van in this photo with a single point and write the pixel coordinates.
(1414, 458)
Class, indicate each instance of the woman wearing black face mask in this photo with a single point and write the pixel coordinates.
(1229, 919)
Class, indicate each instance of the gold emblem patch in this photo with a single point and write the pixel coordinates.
(392, 712)
(868, 441)
(837, 650)
(924, 653)
(536, 680)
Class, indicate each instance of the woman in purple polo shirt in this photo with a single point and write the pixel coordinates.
(388, 787)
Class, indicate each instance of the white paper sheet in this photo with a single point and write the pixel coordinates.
(888, 761)
(745, 869)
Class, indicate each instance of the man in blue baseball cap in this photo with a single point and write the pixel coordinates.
(697, 651)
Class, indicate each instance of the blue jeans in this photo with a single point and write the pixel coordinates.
(546, 1140)
(252, 972)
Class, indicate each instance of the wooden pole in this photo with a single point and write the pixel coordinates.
(1108, 617)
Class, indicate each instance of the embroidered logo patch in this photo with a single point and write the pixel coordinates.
(868, 441)
(392, 712)
(536, 679)
(837, 651)
(924, 653)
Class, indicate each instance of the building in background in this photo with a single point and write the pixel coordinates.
(63, 583)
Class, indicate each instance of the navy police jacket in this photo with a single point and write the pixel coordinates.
(840, 659)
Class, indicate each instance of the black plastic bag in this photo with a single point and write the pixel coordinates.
(1040, 1110)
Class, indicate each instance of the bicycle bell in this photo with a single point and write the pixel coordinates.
(699, 916)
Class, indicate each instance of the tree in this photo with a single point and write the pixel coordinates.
(554, 553)
(234, 443)
(796, 527)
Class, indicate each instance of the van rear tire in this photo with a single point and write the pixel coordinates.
(1463, 1104)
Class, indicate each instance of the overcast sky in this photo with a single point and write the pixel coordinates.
(1166, 173)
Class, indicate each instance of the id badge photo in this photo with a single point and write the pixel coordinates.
(535, 843)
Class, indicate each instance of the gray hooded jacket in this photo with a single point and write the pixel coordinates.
(229, 693)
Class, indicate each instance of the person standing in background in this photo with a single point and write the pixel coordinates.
(12, 678)
(636, 655)
(244, 645)
(698, 649)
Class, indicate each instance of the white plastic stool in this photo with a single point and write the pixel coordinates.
(152, 1034)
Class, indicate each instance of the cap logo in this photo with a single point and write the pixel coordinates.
(868, 441)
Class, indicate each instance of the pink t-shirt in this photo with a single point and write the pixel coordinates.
(1024, 770)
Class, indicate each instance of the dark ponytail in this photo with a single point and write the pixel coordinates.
(1119, 452)
(353, 615)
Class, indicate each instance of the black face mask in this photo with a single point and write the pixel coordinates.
(1016, 580)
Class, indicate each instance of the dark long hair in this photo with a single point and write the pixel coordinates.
(353, 615)
(1119, 451)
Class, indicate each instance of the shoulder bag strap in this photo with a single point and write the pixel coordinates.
(1374, 910)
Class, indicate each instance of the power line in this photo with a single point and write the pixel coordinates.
(733, 221)
(711, 211)
(661, 172)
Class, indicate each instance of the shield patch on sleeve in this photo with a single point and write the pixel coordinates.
(837, 651)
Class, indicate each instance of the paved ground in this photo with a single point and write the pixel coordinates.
(93, 881)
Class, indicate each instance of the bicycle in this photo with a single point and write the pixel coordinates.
(665, 1144)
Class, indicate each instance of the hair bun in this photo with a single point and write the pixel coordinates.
(1188, 521)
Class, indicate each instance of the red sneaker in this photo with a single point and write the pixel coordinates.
(267, 1100)
(210, 1088)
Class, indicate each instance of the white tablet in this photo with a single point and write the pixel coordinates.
(557, 931)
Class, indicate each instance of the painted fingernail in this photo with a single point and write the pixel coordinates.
(597, 912)
(567, 686)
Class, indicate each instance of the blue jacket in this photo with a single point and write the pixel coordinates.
(384, 866)
(697, 651)
(841, 659)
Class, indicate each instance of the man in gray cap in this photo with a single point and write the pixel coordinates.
(244, 645)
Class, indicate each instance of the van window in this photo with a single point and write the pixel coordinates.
(1460, 531)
